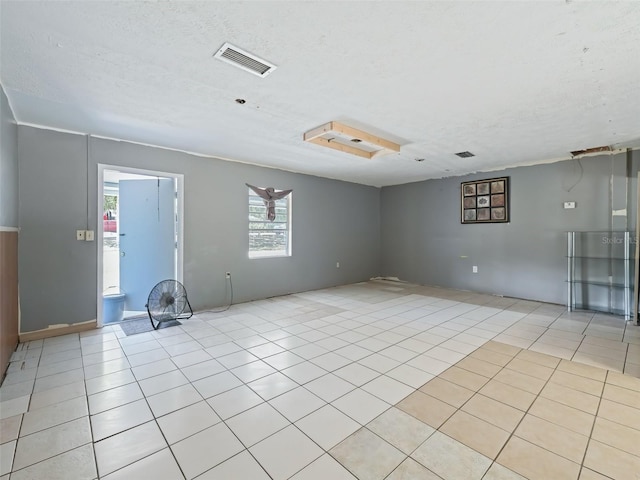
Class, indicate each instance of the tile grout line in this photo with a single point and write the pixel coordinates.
(454, 364)
(513, 432)
(224, 421)
(494, 460)
(86, 397)
(302, 385)
(369, 336)
(593, 426)
(626, 355)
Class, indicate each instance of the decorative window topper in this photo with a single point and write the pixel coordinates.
(485, 201)
(269, 195)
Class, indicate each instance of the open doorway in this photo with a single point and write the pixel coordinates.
(139, 238)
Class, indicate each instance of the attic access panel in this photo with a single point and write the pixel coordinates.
(347, 139)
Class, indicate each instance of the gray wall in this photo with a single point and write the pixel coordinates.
(332, 221)
(8, 164)
(423, 240)
(411, 231)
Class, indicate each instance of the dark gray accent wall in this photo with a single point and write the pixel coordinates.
(423, 240)
(332, 222)
(8, 164)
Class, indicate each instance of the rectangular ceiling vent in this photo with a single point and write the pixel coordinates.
(465, 154)
(244, 60)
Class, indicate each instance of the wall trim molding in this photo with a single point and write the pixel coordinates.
(55, 331)
(9, 229)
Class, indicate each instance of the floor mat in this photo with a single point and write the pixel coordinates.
(141, 325)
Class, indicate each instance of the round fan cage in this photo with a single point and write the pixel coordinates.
(168, 301)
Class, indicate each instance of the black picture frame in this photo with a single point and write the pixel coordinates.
(485, 201)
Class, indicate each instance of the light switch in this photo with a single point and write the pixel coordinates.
(89, 236)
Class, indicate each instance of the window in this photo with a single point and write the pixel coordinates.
(269, 239)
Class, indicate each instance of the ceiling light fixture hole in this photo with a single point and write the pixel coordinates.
(356, 140)
(241, 101)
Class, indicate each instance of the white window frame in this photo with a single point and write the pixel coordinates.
(258, 254)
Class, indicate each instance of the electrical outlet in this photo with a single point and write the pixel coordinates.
(475, 269)
(79, 234)
(227, 274)
(88, 236)
(569, 204)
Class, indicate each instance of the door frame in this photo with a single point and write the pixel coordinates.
(635, 308)
(179, 179)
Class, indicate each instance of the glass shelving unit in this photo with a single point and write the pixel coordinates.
(600, 271)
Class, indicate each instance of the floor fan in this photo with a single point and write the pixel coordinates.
(168, 301)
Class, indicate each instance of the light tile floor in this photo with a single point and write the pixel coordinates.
(376, 380)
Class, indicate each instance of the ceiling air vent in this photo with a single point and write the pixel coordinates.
(244, 60)
(465, 154)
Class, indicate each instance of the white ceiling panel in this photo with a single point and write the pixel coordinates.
(512, 82)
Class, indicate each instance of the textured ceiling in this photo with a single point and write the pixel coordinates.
(512, 82)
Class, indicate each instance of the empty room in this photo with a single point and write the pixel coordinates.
(319, 240)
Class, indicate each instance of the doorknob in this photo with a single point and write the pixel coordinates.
(122, 254)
